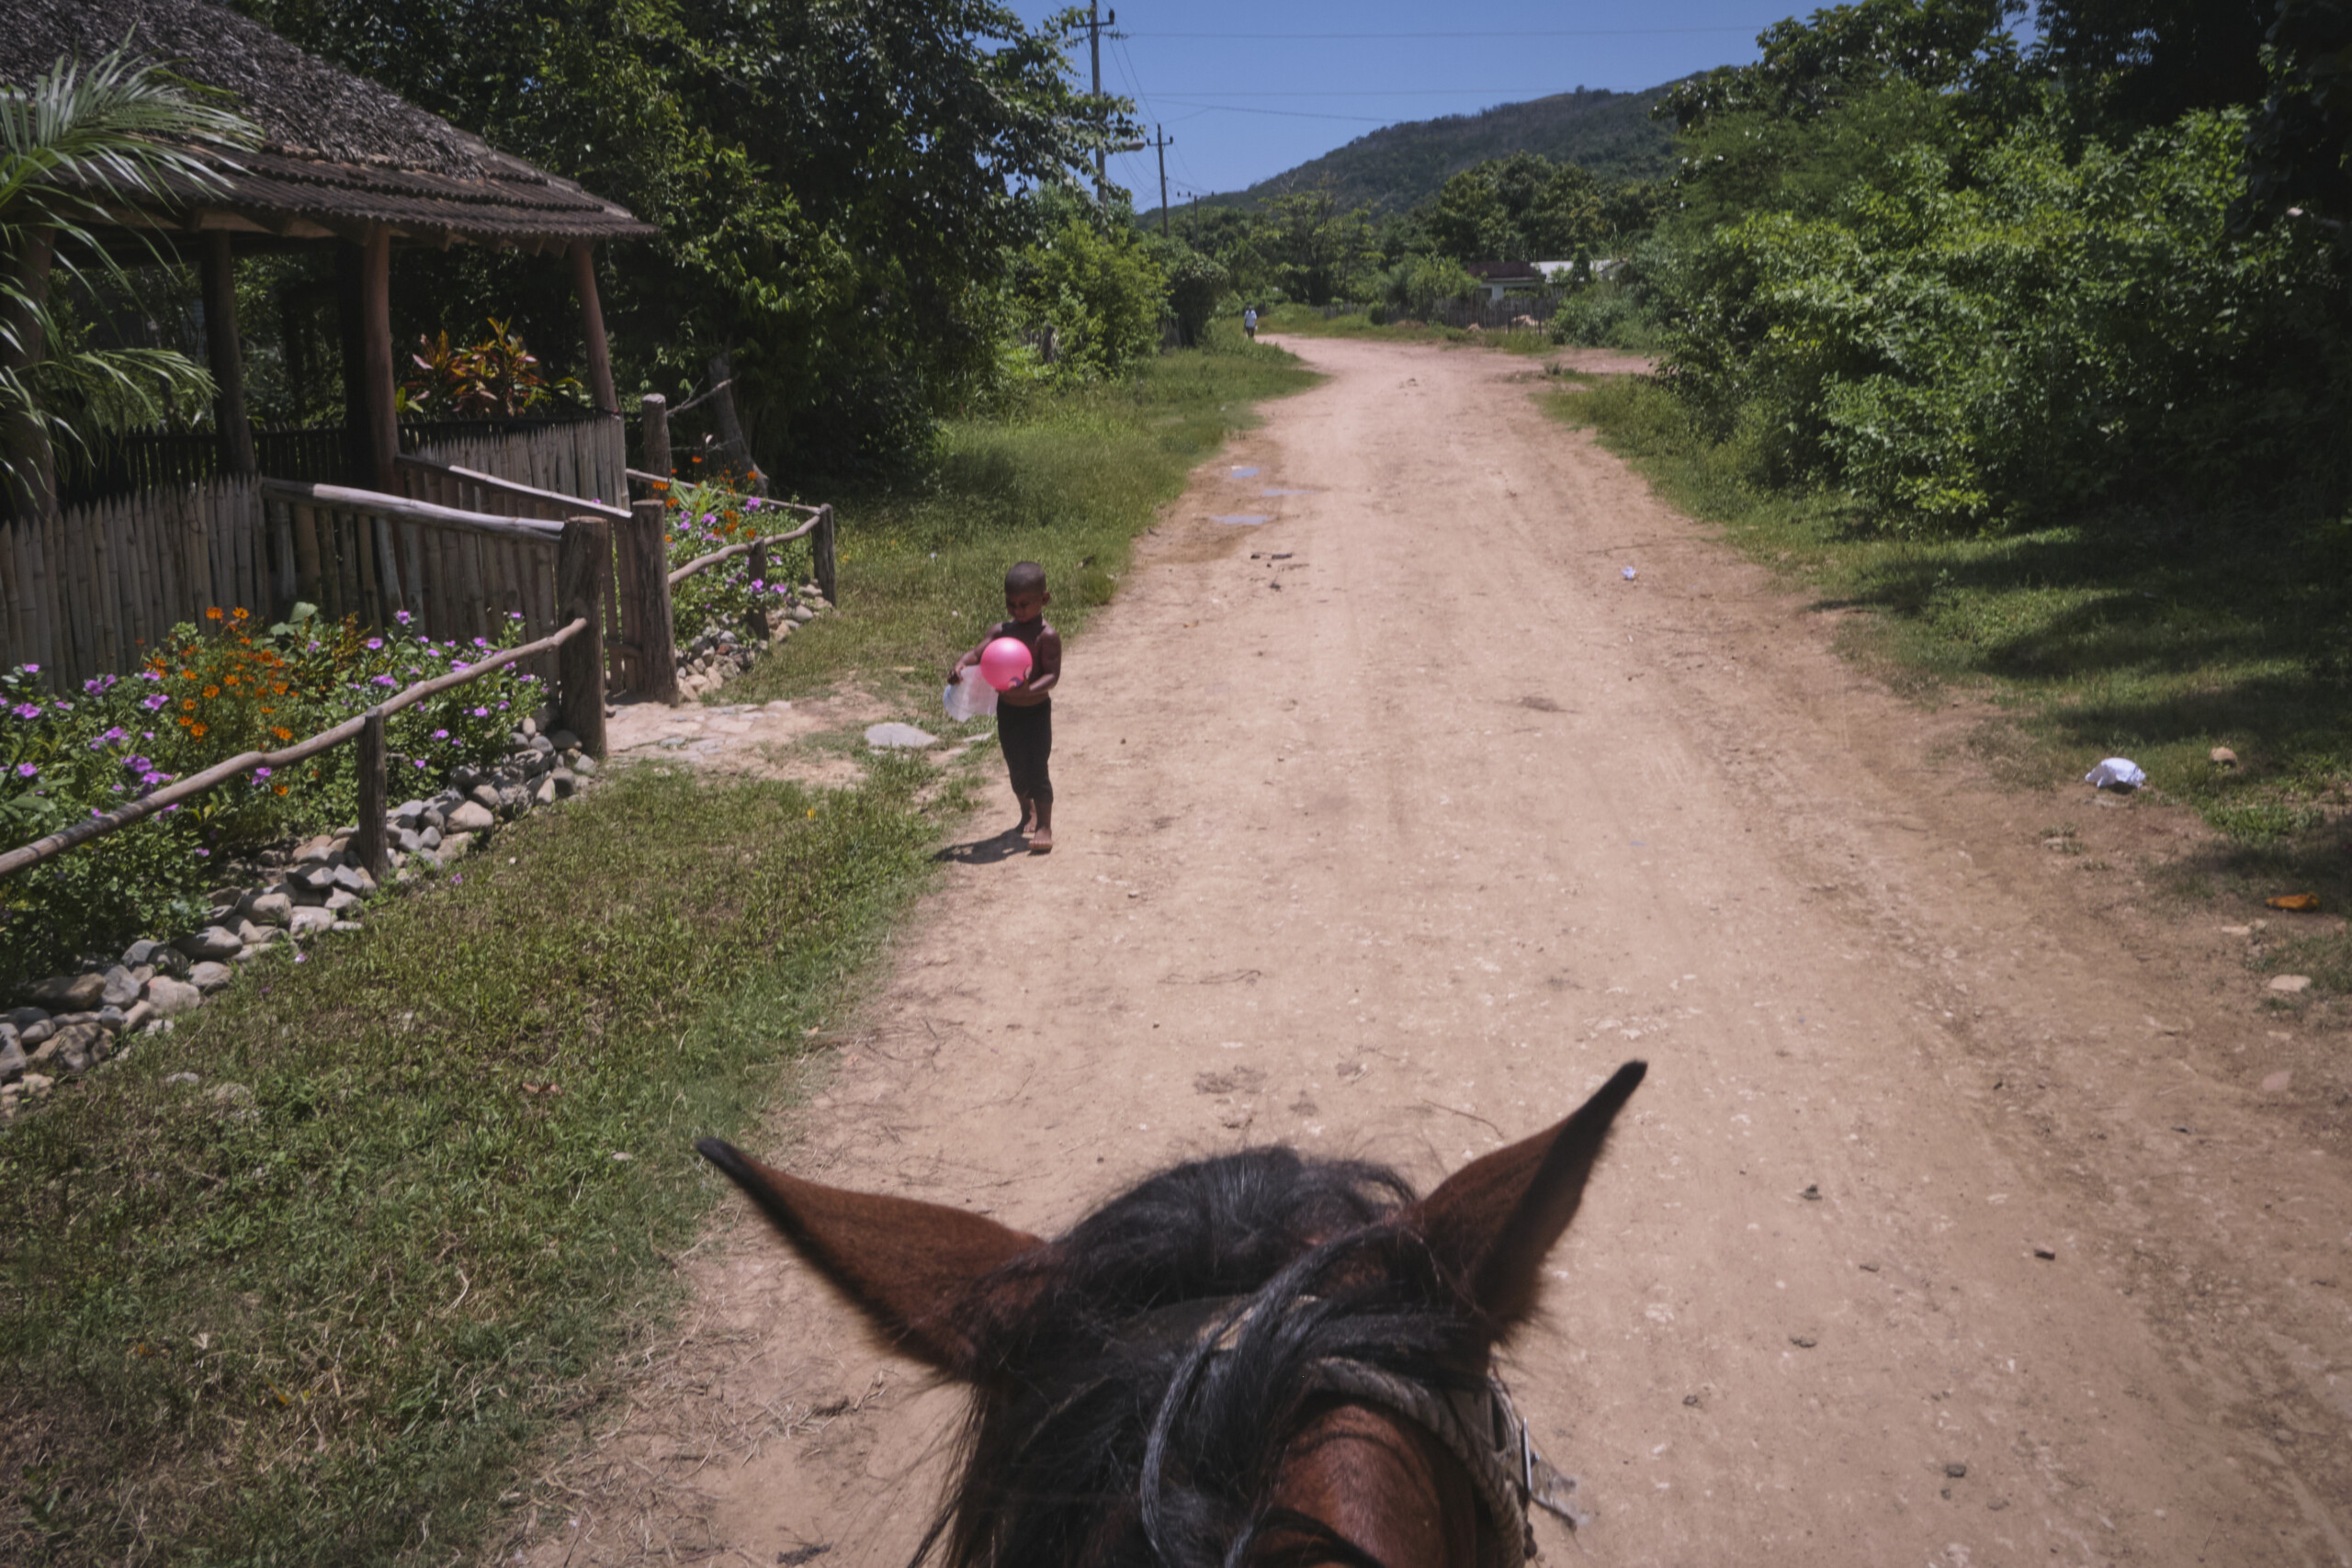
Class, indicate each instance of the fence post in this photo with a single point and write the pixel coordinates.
(821, 545)
(580, 561)
(371, 844)
(655, 411)
(658, 650)
(759, 617)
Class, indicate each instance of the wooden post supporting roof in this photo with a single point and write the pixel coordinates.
(592, 327)
(224, 349)
(376, 331)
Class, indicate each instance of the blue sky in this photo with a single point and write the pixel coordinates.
(1243, 105)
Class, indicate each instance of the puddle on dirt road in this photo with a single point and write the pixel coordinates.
(1248, 473)
(1241, 519)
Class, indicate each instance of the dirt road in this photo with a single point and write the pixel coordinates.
(1389, 826)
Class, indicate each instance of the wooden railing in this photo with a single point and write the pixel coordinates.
(582, 545)
(458, 573)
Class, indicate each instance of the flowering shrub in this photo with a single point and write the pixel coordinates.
(710, 514)
(214, 689)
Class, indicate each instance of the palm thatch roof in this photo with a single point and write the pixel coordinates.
(340, 154)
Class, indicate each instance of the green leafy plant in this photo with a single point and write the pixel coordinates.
(495, 376)
(78, 143)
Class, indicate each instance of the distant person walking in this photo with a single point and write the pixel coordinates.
(1250, 322)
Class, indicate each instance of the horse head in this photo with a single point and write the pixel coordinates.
(1255, 1360)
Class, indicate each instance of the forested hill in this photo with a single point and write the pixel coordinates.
(1398, 166)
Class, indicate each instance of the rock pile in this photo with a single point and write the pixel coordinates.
(721, 654)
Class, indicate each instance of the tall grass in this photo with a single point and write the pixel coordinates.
(1066, 479)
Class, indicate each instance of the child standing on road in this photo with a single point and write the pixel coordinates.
(1025, 713)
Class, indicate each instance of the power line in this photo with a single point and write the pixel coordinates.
(1288, 114)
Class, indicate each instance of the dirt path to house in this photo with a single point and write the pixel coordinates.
(1390, 826)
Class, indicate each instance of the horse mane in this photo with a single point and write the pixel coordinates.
(1105, 1432)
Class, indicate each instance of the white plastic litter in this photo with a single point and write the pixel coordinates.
(1628, 573)
(2116, 773)
(970, 697)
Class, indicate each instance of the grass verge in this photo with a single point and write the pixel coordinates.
(313, 1306)
(305, 1308)
(2156, 637)
(1064, 478)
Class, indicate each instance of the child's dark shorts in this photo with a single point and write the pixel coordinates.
(1026, 735)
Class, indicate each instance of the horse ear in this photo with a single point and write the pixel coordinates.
(1492, 1221)
(909, 1266)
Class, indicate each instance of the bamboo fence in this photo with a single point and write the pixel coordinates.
(86, 591)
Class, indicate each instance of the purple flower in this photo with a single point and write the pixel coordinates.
(440, 735)
(373, 643)
(27, 710)
(155, 701)
(136, 764)
(481, 713)
(401, 616)
(149, 675)
(386, 681)
(752, 504)
(27, 770)
(32, 668)
(260, 774)
(482, 642)
(301, 958)
(457, 879)
(206, 854)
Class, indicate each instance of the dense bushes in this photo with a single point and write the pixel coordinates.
(1097, 292)
(1986, 346)
(1951, 274)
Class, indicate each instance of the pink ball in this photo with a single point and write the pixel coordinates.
(1004, 663)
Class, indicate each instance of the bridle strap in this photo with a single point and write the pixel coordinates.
(1483, 1430)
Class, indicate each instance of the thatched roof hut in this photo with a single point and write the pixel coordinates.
(341, 156)
(343, 161)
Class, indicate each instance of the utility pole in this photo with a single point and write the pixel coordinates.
(1095, 23)
(1163, 141)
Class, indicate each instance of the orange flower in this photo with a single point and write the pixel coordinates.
(283, 733)
(188, 705)
(213, 613)
(282, 789)
(197, 731)
(241, 614)
(211, 692)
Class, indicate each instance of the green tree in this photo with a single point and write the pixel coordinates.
(76, 142)
(834, 180)
(1317, 253)
(1096, 286)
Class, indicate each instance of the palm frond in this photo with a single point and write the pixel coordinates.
(81, 142)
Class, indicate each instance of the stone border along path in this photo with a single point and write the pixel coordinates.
(67, 1024)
